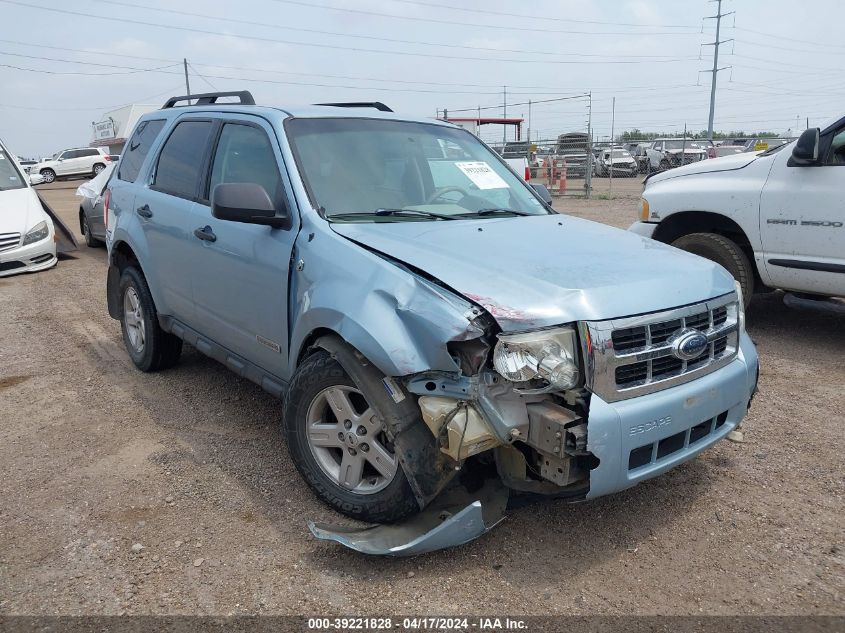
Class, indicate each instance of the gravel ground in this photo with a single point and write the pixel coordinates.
(173, 493)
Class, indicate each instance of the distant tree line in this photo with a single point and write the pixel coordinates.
(638, 135)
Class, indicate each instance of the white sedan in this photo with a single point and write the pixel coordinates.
(27, 235)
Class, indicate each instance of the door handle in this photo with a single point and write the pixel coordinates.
(144, 211)
(206, 234)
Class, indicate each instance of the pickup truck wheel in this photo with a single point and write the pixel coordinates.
(149, 347)
(723, 251)
(338, 443)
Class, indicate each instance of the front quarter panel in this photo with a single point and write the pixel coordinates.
(733, 194)
(401, 322)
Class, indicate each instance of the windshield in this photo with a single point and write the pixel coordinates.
(680, 145)
(353, 168)
(10, 177)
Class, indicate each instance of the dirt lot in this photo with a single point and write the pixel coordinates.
(97, 457)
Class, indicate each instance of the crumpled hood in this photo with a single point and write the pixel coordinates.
(531, 272)
(724, 163)
(20, 210)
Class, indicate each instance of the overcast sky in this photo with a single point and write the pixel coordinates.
(425, 55)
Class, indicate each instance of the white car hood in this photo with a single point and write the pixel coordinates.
(20, 210)
(725, 163)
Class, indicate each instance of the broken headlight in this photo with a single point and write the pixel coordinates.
(550, 355)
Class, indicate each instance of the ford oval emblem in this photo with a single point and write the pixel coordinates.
(689, 344)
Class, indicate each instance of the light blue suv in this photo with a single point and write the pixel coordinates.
(419, 308)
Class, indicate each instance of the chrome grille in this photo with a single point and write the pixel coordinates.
(634, 356)
(9, 241)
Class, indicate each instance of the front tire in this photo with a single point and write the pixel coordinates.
(149, 347)
(725, 252)
(340, 447)
(49, 175)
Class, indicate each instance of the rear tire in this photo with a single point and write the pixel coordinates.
(149, 347)
(317, 397)
(98, 168)
(90, 240)
(725, 252)
(48, 174)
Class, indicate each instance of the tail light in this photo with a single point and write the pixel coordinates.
(527, 173)
(106, 201)
(107, 158)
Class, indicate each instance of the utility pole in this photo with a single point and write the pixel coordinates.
(504, 115)
(718, 17)
(588, 174)
(529, 124)
(187, 83)
(612, 126)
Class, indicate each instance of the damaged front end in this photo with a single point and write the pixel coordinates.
(511, 417)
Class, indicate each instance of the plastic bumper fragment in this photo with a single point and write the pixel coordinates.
(446, 523)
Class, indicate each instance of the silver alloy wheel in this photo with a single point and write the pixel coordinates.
(348, 442)
(98, 169)
(133, 318)
(48, 175)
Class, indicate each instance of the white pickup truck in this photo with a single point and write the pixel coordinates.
(775, 219)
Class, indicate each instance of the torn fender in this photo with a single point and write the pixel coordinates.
(65, 239)
(400, 321)
(459, 518)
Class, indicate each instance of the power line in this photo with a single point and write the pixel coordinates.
(98, 108)
(213, 87)
(511, 27)
(231, 20)
(788, 39)
(329, 46)
(543, 18)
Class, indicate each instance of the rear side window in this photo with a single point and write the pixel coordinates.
(89, 152)
(181, 159)
(138, 148)
(244, 154)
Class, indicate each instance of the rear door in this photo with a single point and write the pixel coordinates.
(165, 211)
(240, 280)
(128, 172)
(802, 220)
(66, 161)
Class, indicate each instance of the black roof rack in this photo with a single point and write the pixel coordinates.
(378, 105)
(207, 98)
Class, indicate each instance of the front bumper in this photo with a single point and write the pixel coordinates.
(646, 229)
(643, 437)
(30, 258)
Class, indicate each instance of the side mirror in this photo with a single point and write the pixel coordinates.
(36, 179)
(543, 193)
(806, 150)
(247, 202)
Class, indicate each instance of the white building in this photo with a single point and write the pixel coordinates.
(116, 126)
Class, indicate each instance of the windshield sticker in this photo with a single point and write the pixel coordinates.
(481, 175)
